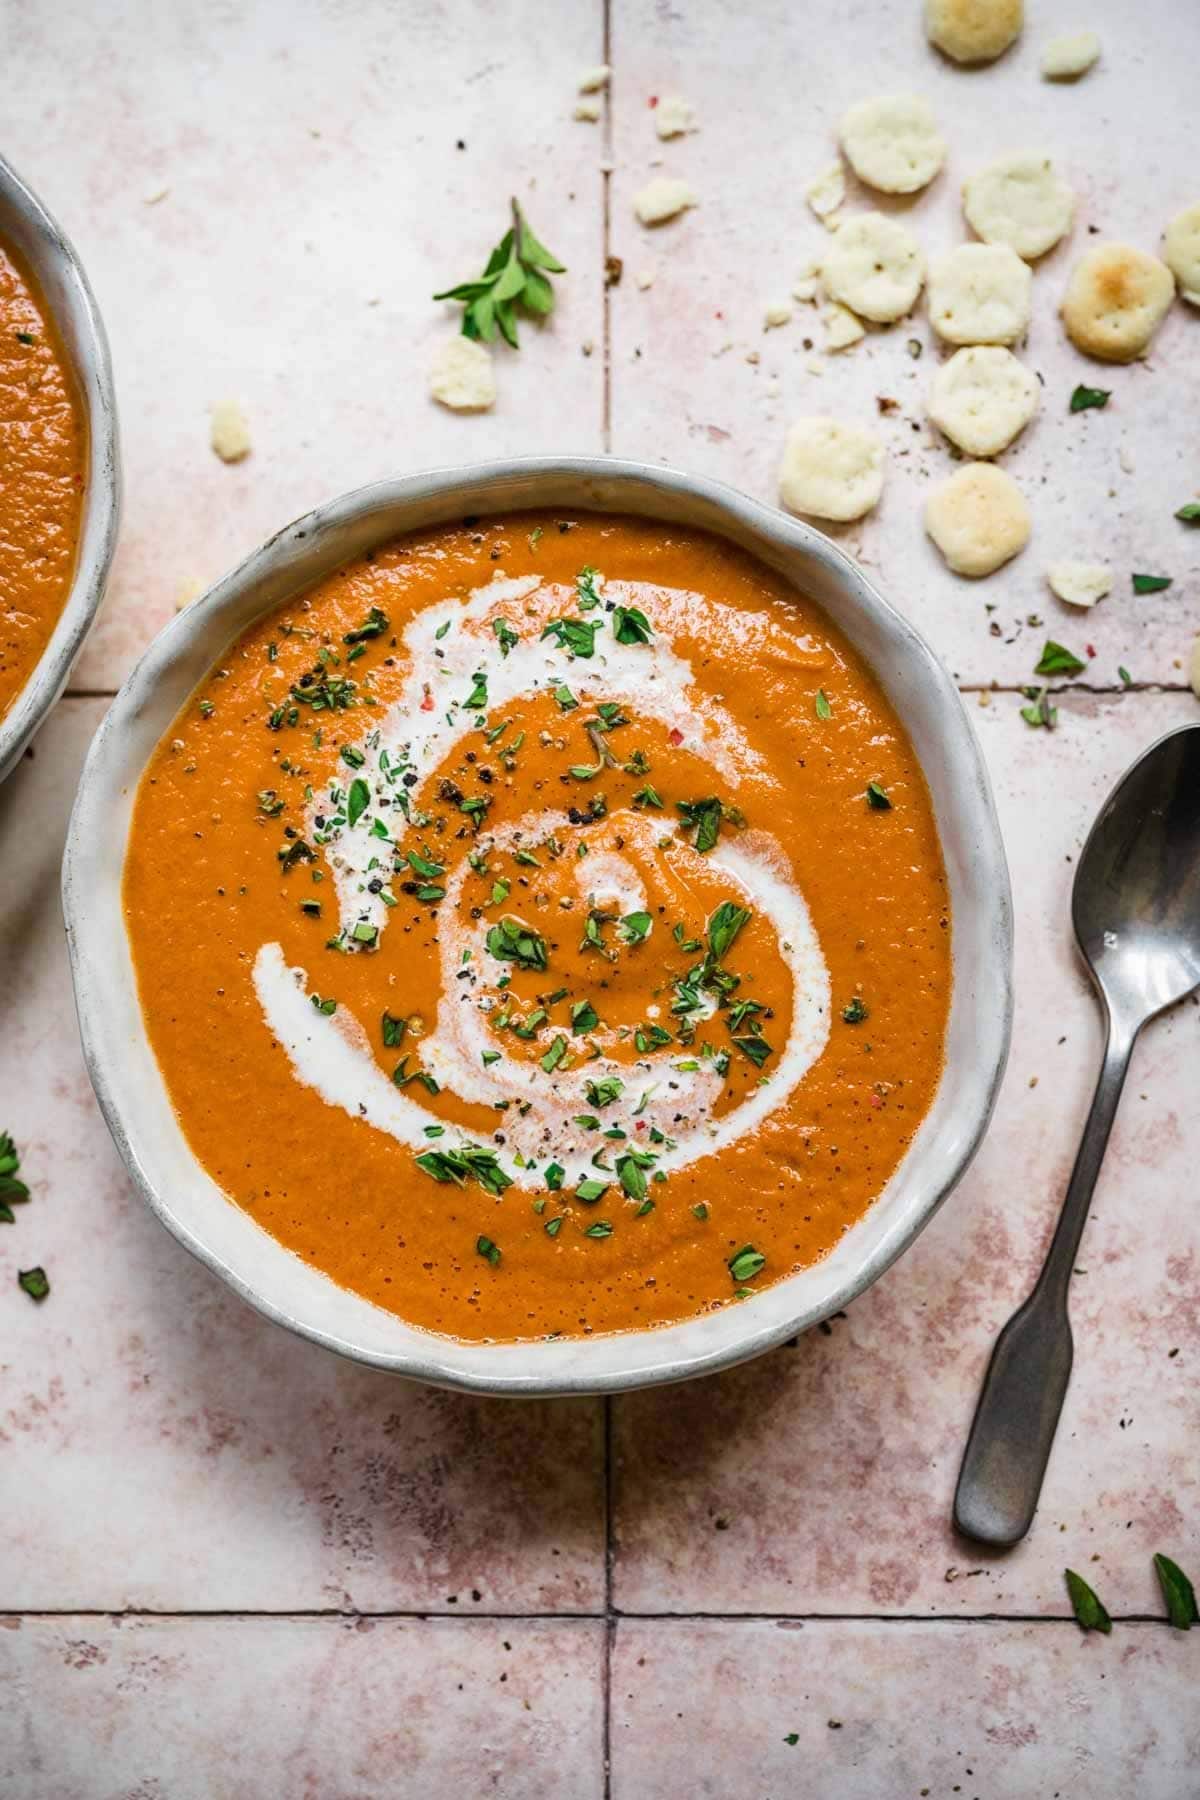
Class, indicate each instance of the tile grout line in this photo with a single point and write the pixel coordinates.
(608, 1618)
(606, 235)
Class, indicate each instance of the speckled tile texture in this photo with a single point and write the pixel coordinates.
(234, 1566)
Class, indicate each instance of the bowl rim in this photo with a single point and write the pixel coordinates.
(64, 290)
(290, 554)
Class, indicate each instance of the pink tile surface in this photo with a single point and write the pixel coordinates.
(310, 1709)
(183, 1452)
(768, 95)
(880, 1712)
(315, 199)
(819, 1479)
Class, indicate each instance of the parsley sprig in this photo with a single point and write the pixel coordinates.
(517, 274)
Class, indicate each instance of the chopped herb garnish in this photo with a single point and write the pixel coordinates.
(604, 1092)
(512, 941)
(755, 1047)
(328, 1007)
(34, 1282)
(1178, 1593)
(748, 1263)
(353, 756)
(1086, 1605)
(442, 629)
(700, 1211)
(856, 1011)
(365, 934)
(477, 699)
(1151, 584)
(576, 635)
(631, 626)
(501, 889)
(584, 1016)
(357, 800)
(590, 1191)
(554, 1226)
(13, 1192)
(635, 927)
(554, 1176)
(647, 796)
(1056, 659)
(824, 710)
(724, 926)
(26, 337)
(516, 275)
(705, 815)
(506, 635)
(373, 626)
(554, 1055)
(565, 698)
(484, 1247)
(469, 1160)
(1039, 711)
(1126, 677)
(1189, 513)
(600, 1229)
(631, 1172)
(877, 798)
(269, 803)
(311, 907)
(1084, 398)
(587, 593)
(393, 1031)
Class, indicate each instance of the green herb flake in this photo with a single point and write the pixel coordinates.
(824, 710)
(584, 1016)
(565, 698)
(576, 635)
(631, 626)
(700, 1211)
(512, 941)
(856, 1011)
(373, 626)
(1083, 399)
(490, 1252)
(1056, 659)
(590, 1190)
(469, 1161)
(1039, 711)
(1088, 1608)
(600, 1229)
(1178, 1592)
(634, 928)
(1126, 677)
(357, 800)
(724, 925)
(506, 636)
(13, 1192)
(1190, 513)
(34, 1282)
(603, 1093)
(877, 799)
(747, 1263)
(1151, 584)
(554, 1176)
(554, 1055)
(705, 817)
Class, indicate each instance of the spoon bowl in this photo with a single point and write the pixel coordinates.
(1136, 902)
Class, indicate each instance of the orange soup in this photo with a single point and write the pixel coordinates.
(541, 927)
(42, 456)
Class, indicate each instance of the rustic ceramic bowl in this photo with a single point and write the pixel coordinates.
(27, 228)
(126, 1076)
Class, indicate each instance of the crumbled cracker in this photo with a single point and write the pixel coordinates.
(826, 191)
(776, 313)
(673, 116)
(842, 328)
(229, 434)
(593, 80)
(587, 111)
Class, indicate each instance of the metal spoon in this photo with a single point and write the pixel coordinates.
(1136, 910)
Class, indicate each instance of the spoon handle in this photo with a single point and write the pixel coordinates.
(1026, 1382)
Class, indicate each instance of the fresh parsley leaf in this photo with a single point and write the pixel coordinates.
(554, 1173)
(554, 1055)
(856, 1011)
(755, 1047)
(601, 1229)
(13, 1192)
(393, 1031)
(1126, 677)
(515, 276)
(586, 591)
(877, 798)
(584, 1016)
(1039, 711)
(565, 698)
(1083, 398)
(477, 699)
(484, 1247)
(1086, 1605)
(604, 1092)
(1189, 513)
(506, 635)
(1056, 659)
(1178, 1593)
(1151, 584)
(824, 710)
(647, 796)
(590, 1190)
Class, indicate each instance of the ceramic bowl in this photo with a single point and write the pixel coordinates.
(126, 1077)
(27, 228)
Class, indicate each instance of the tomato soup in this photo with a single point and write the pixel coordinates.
(541, 927)
(42, 467)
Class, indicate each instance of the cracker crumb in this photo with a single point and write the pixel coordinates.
(673, 116)
(158, 195)
(644, 279)
(587, 112)
(662, 199)
(187, 591)
(592, 81)
(826, 191)
(1079, 583)
(461, 376)
(229, 434)
(842, 328)
(1125, 458)
(1070, 55)
(776, 313)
